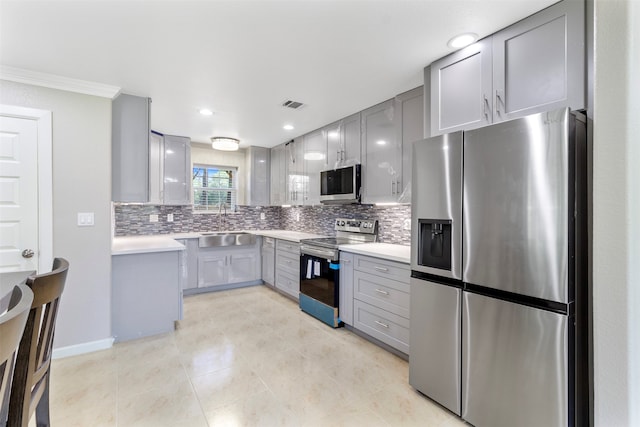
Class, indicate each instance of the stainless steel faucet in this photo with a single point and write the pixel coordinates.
(221, 219)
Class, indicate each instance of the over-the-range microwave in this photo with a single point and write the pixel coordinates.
(340, 185)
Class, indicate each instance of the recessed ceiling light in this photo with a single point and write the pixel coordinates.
(333, 134)
(288, 127)
(462, 40)
(206, 112)
(381, 142)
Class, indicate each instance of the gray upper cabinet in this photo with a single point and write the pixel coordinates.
(315, 160)
(539, 62)
(295, 178)
(535, 65)
(382, 153)
(177, 170)
(343, 141)
(278, 190)
(410, 106)
(169, 169)
(258, 179)
(461, 96)
(130, 149)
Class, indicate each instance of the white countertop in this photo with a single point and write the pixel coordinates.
(292, 236)
(388, 251)
(144, 244)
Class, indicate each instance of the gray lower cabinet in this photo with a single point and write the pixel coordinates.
(381, 300)
(130, 149)
(222, 266)
(345, 301)
(268, 260)
(146, 294)
(288, 267)
(189, 263)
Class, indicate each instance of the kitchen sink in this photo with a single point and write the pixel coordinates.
(226, 238)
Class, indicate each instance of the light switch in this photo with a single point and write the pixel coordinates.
(85, 219)
(262, 215)
(170, 217)
(153, 218)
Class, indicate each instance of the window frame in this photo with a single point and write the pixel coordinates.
(214, 192)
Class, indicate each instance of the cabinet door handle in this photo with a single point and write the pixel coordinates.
(381, 269)
(384, 325)
(380, 291)
(393, 191)
(498, 101)
(485, 107)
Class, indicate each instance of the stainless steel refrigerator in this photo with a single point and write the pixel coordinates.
(499, 285)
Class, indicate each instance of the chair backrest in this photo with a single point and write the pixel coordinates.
(34, 354)
(14, 309)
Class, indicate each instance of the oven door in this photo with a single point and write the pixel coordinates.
(319, 279)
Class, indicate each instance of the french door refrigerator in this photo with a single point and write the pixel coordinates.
(523, 324)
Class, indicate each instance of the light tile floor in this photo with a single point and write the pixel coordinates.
(244, 357)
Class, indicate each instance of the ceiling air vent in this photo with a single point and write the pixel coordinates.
(292, 104)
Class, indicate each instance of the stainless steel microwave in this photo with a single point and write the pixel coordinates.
(340, 185)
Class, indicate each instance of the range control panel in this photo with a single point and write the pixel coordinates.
(368, 226)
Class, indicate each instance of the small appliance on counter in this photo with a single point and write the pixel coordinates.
(320, 267)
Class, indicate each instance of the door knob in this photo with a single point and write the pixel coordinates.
(27, 253)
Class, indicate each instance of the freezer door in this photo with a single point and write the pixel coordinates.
(514, 364)
(434, 353)
(516, 206)
(436, 198)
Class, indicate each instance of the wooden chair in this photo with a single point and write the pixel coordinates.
(14, 309)
(30, 390)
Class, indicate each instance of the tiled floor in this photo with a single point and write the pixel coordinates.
(245, 357)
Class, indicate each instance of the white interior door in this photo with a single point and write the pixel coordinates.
(26, 171)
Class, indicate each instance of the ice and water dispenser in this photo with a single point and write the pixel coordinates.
(434, 243)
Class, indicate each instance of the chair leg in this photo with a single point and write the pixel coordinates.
(42, 409)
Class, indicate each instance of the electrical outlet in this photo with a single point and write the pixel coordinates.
(153, 218)
(170, 217)
(406, 225)
(85, 219)
(263, 216)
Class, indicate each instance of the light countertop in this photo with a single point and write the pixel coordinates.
(292, 236)
(387, 251)
(144, 244)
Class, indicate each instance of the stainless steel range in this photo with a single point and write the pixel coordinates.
(320, 267)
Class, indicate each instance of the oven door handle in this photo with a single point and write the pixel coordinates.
(326, 254)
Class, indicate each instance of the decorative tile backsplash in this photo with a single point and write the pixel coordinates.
(133, 220)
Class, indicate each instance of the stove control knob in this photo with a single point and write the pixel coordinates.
(342, 223)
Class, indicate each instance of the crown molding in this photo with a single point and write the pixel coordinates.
(37, 78)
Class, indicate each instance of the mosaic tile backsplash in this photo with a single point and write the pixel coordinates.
(132, 220)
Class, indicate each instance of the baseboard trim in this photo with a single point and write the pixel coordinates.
(87, 347)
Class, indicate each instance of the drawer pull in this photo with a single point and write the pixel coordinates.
(384, 325)
(381, 269)
(380, 291)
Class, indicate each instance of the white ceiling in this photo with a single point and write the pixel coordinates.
(243, 59)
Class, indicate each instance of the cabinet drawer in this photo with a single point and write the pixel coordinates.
(381, 292)
(288, 283)
(389, 328)
(287, 246)
(268, 243)
(287, 262)
(379, 267)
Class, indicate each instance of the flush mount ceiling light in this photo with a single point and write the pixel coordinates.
(462, 40)
(206, 112)
(224, 143)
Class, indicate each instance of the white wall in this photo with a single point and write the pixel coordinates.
(616, 213)
(209, 156)
(81, 183)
